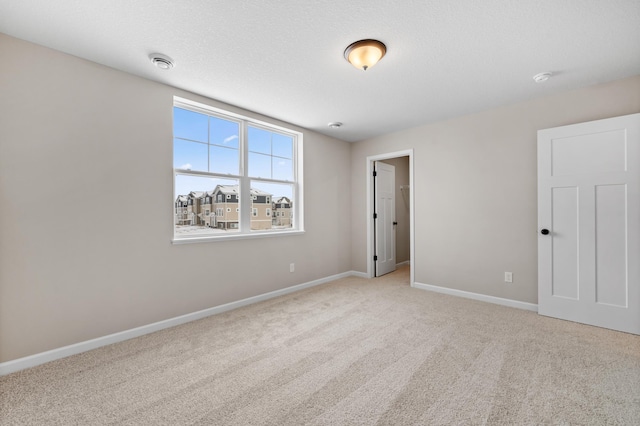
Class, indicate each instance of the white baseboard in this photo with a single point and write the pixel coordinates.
(63, 352)
(406, 262)
(359, 274)
(476, 296)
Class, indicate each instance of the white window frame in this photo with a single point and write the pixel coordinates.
(245, 202)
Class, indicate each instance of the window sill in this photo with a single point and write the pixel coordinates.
(220, 238)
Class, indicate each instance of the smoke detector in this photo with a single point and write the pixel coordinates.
(162, 61)
(334, 124)
(542, 77)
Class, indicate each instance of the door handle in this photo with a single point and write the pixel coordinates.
(395, 223)
(545, 232)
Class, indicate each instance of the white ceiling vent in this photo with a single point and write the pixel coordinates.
(162, 61)
(542, 77)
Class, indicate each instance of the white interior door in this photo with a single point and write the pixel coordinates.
(384, 218)
(589, 223)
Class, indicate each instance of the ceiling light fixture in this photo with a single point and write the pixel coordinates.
(162, 61)
(364, 54)
(542, 77)
(334, 124)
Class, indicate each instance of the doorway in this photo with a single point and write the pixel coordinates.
(404, 207)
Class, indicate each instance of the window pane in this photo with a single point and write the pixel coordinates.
(259, 165)
(214, 147)
(259, 140)
(282, 169)
(189, 155)
(195, 196)
(282, 146)
(223, 160)
(190, 125)
(274, 204)
(224, 132)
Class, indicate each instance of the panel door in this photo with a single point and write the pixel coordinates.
(385, 211)
(588, 223)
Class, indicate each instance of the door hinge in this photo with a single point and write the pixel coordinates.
(375, 215)
(375, 173)
(375, 258)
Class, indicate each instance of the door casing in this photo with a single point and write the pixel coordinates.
(369, 210)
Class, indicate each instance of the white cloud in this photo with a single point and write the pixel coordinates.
(230, 138)
(281, 163)
(187, 166)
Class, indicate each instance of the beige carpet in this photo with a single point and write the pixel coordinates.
(351, 352)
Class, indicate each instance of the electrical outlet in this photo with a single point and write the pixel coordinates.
(508, 277)
(292, 267)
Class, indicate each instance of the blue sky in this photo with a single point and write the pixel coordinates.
(210, 144)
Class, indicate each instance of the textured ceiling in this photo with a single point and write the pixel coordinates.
(284, 58)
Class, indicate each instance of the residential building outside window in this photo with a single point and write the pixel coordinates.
(224, 161)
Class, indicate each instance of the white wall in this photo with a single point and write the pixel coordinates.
(475, 188)
(86, 209)
(81, 145)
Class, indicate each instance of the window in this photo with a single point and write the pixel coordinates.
(222, 155)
